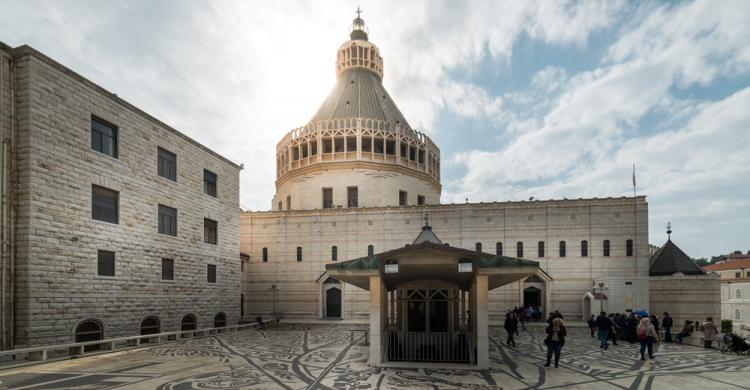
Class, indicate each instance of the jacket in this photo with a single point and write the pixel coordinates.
(709, 331)
(560, 334)
(666, 322)
(603, 323)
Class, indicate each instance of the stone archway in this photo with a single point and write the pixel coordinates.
(332, 299)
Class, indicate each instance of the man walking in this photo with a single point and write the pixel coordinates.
(511, 326)
(603, 325)
(666, 323)
(592, 325)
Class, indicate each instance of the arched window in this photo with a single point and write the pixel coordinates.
(149, 325)
(737, 315)
(220, 320)
(89, 330)
(478, 247)
(519, 249)
(629, 248)
(370, 250)
(499, 248)
(334, 253)
(265, 255)
(299, 253)
(562, 248)
(540, 248)
(605, 248)
(738, 294)
(188, 322)
(584, 248)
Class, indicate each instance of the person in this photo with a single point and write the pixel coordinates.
(709, 332)
(613, 331)
(555, 340)
(511, 326)
(603, 326)
(686, 331)
(666, 324)
(647, 336)
(592, 324)
(632, 323)
(259, 321)
(655, 321)
(558, 315)
(550, 317)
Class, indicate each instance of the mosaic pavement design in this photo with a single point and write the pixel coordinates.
(324, 357)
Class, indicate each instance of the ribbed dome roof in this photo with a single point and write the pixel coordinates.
(359, 93)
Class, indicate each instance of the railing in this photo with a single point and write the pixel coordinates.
(73, 349)
(455, 347)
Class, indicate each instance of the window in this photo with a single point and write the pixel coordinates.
(370, 250)
(562, 248)
(404, 150)
(351, 196)
(242, 265)
(211, 273)
(366, 144)
(519, 249)
(209, 183)
(379, 145)
(104, 204)
(390, 147)
(606, 248)
(737, 315)
(334, 253)
(210, 233)
(149, 325)
(629, 248)
(167, 220)
(478, 247)
(499, 248)
(351, 144)
(220, 320)
(738, 294)
(288, 202)
(280, 208)
(412, 153)
(584, 248)
(265, 255)
(420, 200)
(188, 322)
(738, 275)
(540, 249)
(402, 198)
(103, 137)
(314, 148)
(167, 269)
(105, 263)
(166, 164)
(327, 145)
(327, 198)
(305, 149)
(89, 330)
(242, 305)
(299, 253)
(338, 145)
(295, 153)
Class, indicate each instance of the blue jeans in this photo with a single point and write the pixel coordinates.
(602, 335)
(553, 347)
(648, 343)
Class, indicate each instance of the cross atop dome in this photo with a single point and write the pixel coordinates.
(359, 30)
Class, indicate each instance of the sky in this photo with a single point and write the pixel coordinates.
(546, 99)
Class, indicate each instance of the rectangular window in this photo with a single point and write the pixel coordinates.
(209, 182)
(299, 253)
(210, 231)
(562, 248)
(295, 153)
(351, 144)
(103, 137)
(629, 248)
(105, 263)
(584, 248)
(366, 144)
(738, 275)
(167, 220)
(304, 150)
(402, 198)
(334, 253)
(540, 249)
(288, 202)
(327, 145)
(421, 156)
(420, 200)
(104, 204)
(390, 147)
(166, 164)
(242, 305)
(605, 248)
(211, 273)
(404, 150)
(378, 147)
(499, 248)
(519, 249)
(352, 196)
(265, 255)
(338, 145)
(242, 266)
(167, 269)
(412, 153)
(327, 198)
(280, 208)
(314, 148)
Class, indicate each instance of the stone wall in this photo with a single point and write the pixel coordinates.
(460, 225)
(57, 240)
(686, 297)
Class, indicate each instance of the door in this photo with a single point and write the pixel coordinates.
(532, 296)
(333, 303)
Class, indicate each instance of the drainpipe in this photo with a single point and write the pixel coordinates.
(11, 208)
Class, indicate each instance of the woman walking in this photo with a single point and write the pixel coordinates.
(555, 340)
(709, 332)
(647, 336)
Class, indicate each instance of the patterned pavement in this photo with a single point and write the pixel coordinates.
(323, 357)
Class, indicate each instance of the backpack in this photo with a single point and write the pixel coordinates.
(642, 334)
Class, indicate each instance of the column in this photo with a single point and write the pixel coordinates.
(378, 304)
(479, 317)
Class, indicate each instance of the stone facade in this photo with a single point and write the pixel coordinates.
(686, 297)
(54, 238)
(735, 292)
(300, 283)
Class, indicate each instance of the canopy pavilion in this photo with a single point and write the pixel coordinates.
(429, 301)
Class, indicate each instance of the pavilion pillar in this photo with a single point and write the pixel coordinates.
(378, 317)
(479, 306)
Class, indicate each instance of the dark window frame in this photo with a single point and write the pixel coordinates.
(584, 248)
(563, 248)
(629, 248)
(605, 248)
(327, 201)
(167, 269)
(352, 201)
(540, 248)
(478, 247)
(166, 164)
(299, 253)
(265, 254)
(98, 137)
(211, 273)
(99, 209)
(210, 183)
(499, 248)
(403, 198)
(209, 238)
(102, 268)
(519, 249)
(334, 253)
(421, 200)
(370, 250)
(167, 220)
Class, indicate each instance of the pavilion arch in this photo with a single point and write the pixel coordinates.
(90, 329)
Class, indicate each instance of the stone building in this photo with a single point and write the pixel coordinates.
(113, 223)
(357, 179)
(734, 275)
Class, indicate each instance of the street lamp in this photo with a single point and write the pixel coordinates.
(600, 289)
(273, 303)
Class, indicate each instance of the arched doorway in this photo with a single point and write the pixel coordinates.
(333, 302)
(532, 296)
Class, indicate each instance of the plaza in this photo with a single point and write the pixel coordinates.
(326, 356)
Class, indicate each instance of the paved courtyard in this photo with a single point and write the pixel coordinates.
(322, 357)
